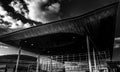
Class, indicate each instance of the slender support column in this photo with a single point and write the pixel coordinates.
(95, 63)
(88, 50)
(18, 59)
(38, 62)
(51, 64)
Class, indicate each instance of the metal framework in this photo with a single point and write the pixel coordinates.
(89, 25)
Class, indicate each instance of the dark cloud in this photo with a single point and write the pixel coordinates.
(15, 15)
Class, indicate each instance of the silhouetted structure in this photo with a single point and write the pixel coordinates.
(68, 37)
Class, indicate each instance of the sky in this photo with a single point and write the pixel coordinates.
(20, 14)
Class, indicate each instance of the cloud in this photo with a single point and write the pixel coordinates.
(41, 13)
(2, 11)
(18, 24)
(19, 7)
(7, 21)
(34, 12)
(54, 7)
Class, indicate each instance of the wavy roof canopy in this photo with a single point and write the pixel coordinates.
(99, 25)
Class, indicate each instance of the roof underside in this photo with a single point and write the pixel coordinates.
(99, 25)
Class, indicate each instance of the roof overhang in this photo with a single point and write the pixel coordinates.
(70, 25)
(99, 25)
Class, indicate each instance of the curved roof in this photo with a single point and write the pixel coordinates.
(99, 25)
(70, 25)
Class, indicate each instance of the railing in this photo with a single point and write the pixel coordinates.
(72, 62)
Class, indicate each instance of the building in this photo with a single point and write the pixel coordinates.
(89, 34)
